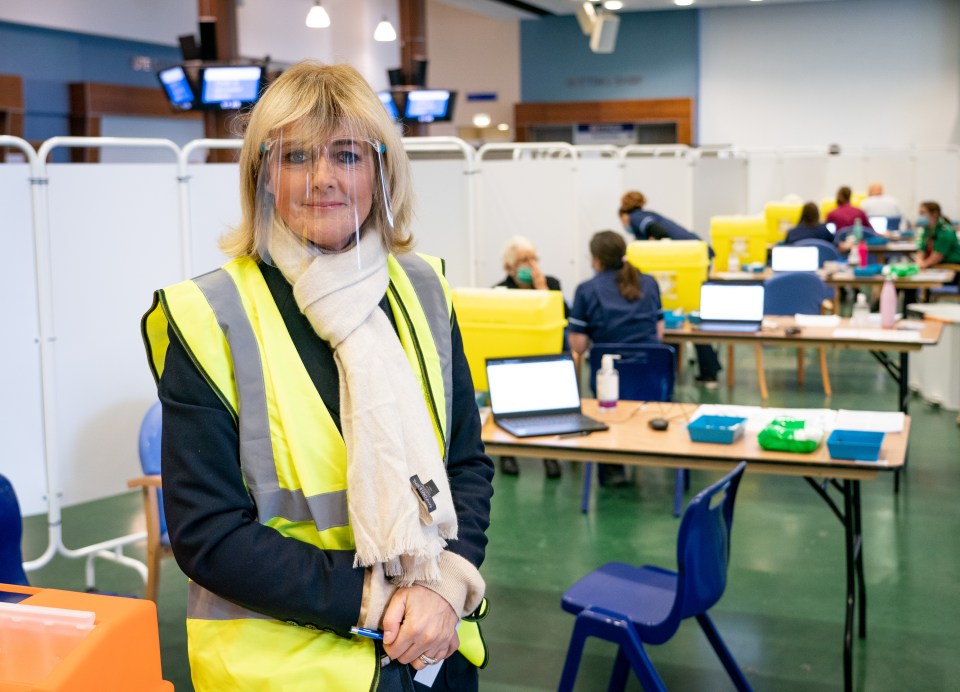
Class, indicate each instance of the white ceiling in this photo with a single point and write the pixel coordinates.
(502, 10)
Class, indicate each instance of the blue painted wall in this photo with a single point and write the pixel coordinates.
(49, 60)
(656, 56)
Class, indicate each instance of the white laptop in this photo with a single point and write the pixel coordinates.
(795, 258)
(537, 395)
(731, 307)
(832, 227)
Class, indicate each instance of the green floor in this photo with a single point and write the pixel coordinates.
(782, 614)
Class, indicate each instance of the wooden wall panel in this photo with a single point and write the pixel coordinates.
(679, 111)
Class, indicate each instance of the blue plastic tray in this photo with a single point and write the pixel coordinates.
(720, 429)
(869, 270)
(672, 319)
(858, 445)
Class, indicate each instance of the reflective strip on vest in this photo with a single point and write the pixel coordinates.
(326, 510)
(434, 304)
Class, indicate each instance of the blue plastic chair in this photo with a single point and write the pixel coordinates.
(158, 541)
(633, 605)
(842, 233)
(647, 373)
(791, 293)
(828, 251)
(11, 534)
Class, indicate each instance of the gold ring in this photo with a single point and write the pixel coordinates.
(427, 661)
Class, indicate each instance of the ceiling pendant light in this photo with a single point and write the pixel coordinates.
(385, 31)
(317, 17)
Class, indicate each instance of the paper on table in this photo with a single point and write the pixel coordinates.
(816, 320)
(484, 414)
(758, 417)
(877, 334)
(870, 421)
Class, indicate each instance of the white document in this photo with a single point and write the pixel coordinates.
(870, 421)
(426, 675)
(878, 334)
(817, 320)
(758, 417)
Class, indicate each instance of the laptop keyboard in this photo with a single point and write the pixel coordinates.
(555, 421)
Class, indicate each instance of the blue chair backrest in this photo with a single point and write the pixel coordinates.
(828, 251)
(11, 533)
(790, 293)
(647, 371)
(149, 444)
(893, 223)
(842, 233)
(703, 546)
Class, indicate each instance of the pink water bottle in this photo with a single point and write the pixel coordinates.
(888, 304)
(862, 251)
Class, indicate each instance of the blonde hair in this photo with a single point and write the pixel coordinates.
(321, 98)
(516, 246)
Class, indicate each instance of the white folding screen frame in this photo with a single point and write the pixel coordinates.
(111, 549)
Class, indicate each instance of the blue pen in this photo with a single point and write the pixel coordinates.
(364, 632)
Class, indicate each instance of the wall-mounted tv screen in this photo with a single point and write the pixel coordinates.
(177, 87)
(429, 105)
(228, 87)
(386, 98)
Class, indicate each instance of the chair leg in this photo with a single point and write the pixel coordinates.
(621, 670)
(678, 487)
(761, 375)
(726, 658)
(730, 376)
(574, 653)
(824, 373)
(800, 373)
(153, 573)
(587, 479)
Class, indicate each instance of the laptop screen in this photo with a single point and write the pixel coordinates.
(879, 223)
(534, 384)
(787, 258)
(732, 302)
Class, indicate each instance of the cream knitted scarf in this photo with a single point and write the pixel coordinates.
(386, 426)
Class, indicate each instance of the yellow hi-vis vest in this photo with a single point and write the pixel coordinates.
(293, 458)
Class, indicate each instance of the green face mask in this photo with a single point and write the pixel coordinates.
(525, 275)
(923, 221)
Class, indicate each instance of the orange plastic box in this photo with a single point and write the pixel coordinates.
(69, 641)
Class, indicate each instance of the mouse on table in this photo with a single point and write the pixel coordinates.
(659, 423)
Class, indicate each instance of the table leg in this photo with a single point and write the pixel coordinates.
(861, 581)
(850, 550)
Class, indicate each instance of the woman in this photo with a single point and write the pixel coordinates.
(809, 226)
(522, 264)
(649, 225)
(844, 216)
(938, 239)
(322, 466)
(618, 305)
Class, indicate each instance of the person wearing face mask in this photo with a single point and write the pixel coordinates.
(323, 473)
(522, 265)
(938, 242)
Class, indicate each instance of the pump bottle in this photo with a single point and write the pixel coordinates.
(608, 382)
(888, 304)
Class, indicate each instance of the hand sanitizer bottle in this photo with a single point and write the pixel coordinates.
(861, 311)
(608, 382)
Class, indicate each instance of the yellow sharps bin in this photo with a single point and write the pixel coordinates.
(504, 322)
(781, 217)
(741, 237)
(679, 267)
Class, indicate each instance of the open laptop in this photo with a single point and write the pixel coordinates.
(731, 307)
(879, 224)
(537, 395)
(795, 258)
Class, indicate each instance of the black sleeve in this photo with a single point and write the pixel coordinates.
(469, 469)
(212, 520)
(553, 284)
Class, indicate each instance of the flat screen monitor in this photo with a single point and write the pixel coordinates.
(228, 87)
(386, 98)
(177, 87)
(429, 105)
(832, 227)
(733, 302)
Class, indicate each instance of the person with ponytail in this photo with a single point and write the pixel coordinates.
(618, 305)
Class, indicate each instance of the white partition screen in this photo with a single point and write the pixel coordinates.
(535, 198)
(937, 179)
(214, 210)
(21, 412)
(440, 225)
(666, 182)
(719, 188)
(114, 236)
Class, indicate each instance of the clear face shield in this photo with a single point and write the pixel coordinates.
(321, 190)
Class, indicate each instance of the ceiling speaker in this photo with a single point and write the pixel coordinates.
(604, 36)
(587, 16)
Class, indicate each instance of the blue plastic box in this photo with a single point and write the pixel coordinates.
(673, 319)
(869, 270)
(858, 445)
(718, 429)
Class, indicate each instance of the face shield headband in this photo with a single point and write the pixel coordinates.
(321, 191)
